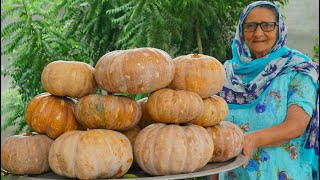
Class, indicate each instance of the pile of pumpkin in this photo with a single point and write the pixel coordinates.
(179, 128)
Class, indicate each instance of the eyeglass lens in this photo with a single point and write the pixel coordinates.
(265, 26)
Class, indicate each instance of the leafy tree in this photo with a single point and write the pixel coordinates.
(42, 31)
(315, 57)
(180, 27)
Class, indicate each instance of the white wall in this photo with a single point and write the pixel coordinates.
(302, 20)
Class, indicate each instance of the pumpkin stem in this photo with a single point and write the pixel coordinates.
(28, 134)
(4, 172)
(196, 55)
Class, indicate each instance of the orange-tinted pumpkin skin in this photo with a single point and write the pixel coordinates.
(51, 115)
(198, 73)
(134, 71)
(132, 134)
(227, 139)
(162, 149)
(145, 119)
(91, 154)
(97, 111)
(215, 111)
(26, 153)
(174, 106)
(69, 78)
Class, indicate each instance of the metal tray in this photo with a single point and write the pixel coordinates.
(209, 169)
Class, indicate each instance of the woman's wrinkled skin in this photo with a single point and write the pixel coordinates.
(259, 42)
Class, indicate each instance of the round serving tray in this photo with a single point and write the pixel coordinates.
(209, 169)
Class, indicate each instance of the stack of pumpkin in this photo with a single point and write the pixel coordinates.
(98, 135)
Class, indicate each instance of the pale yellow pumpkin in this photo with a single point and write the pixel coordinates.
(69, 78)
(91, 154)
(162, 149)
(174, 106)
(227, 139)
(26, 153)
(202, 74)
(134, 71)
(215, 111)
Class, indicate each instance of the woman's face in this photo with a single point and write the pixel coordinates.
(258, 41)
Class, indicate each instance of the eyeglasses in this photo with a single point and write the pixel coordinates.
(265, 26)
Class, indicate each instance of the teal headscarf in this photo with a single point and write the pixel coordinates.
(248, 79)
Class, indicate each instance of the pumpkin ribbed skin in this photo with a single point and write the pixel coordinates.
(97, 111)
(215, 111)
(198, 73)
(162, 149)
(69, 78)
(26, 154)
(227, 139)
(132, 134)
(174, 106)
(134, 71)
(91, 154)
(145, 119)
(51, 115)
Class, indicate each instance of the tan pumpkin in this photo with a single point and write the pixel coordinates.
(98, 111)
(134, 71)
(174, 106)
(132, 134)
(145, 119)
(69, 78)
(198, 73)
(91, 154)
(162, 149)
(52, 115)
(215, 111)
(26, 153)
(227, 139)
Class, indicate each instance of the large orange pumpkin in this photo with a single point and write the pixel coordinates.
(227, 139)
(68, 78)
(51, 115)
(215, 111)
(134, 71)
(162, 149)
(26, 153)
(91, 154)
(97, 111)
(198, 73)
(174, 106)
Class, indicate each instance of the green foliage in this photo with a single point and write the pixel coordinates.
(316, 50)
(31, 41)
(180, 27)
(13, 109)
(136, 97)
(42, 31)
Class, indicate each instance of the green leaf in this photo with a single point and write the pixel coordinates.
(129, 176)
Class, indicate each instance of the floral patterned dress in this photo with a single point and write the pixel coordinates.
(287, 161)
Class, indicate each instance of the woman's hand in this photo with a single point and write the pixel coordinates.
(249, 145)
(294, 125)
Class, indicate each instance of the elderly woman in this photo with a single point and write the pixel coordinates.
(272, 91)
